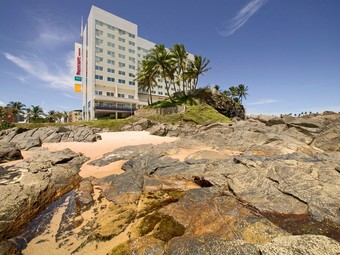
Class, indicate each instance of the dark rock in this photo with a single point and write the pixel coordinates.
(9, 152)
(24, 196)
(8, 248)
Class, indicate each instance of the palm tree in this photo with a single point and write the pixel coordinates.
(51, 116)
(161, 61)
(180, 57)
(198, 67)
(146, 77)
(17, 109)
(242, 92)
(34, 113)
(65, 115)
(233, 91)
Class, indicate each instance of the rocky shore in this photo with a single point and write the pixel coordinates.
(262, 186)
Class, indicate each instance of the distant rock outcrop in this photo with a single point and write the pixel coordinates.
(27, 139)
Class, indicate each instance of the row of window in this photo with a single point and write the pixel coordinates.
(153, 92)
(111, 79)
(110, 70)
(112, 28)
(111, 94)
(112, 62)
(112, 36)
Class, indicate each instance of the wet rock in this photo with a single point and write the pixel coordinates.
(9, 152)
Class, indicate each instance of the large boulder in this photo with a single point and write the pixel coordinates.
(9, 152)
(31, 185)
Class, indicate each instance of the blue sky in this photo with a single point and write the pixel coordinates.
(286, 51)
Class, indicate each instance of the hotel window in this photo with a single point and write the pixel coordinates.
(121, 47)
(99, 32)
(132, 75)
(111, 27)
(121, 56)
(110, 79)
(110, 70)
(121, 64)
(99, 77)
(99, 23)
(121, 81)
(132, 35)
(110, 44)
(132, 51)
(132, 43)
(121, 32)
(99, 68)
(110, 61)
(160, 93)
(132, 59)
(160, 87)
(110, 36)
(98, 92)
(121, 72)
(131, 96)
(99, 41)
(99, 59)
(121, 39)
(110, 94)
(111, 53)
(99, 50)
(132, 83)
(121, 95)
(132, 67)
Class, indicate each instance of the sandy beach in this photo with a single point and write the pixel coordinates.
(110, 141)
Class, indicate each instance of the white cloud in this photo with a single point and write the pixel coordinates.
(2, 104)
(72, 96)
(264, 101)
(242, 17)
(60, 78)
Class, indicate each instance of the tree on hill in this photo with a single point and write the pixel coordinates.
(146, 78)
(161, 61)
(173, 67)
(180, 57)
(242, 92)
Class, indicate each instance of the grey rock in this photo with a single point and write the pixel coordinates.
(29, 143)
(9, 152)
(303, 244)
(209, 245)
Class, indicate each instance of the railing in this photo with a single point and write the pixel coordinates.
(113, 108)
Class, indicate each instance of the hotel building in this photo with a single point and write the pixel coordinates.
(107, 64)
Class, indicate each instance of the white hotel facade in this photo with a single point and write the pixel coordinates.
(108, 58)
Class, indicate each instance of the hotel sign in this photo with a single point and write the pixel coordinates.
(77, 78)
(77, 56)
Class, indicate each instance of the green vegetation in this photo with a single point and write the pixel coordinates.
(179, 73)
(198, 114)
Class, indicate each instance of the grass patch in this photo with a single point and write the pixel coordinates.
(198, 114)
(185, 100)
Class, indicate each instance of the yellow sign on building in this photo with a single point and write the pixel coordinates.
(77, 88)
